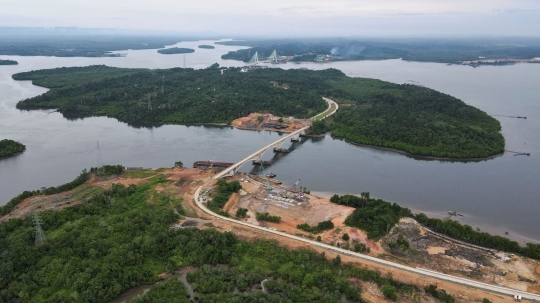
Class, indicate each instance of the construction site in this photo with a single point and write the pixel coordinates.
(267, 121)
(261, 194)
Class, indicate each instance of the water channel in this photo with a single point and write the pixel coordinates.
(497, 195)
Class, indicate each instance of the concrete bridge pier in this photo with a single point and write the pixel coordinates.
(278, 149)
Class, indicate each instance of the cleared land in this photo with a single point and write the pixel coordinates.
(427, 249)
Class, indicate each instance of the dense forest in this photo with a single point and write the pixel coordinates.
(78, 42)
(412, 49)
(375, 216)
(175, 50)
(176, 95)
(415, 119)
(122, 238)
(10, 147)
(8, 62)
(206, 46)
(406, 117)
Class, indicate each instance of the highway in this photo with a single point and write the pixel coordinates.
(420, 271)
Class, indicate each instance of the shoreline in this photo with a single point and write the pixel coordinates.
(422, 157)
(485, 225)
(12, 155)
(222, 124)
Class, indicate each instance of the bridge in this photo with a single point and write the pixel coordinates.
(272, 58)
(256, 156)
(294, 136)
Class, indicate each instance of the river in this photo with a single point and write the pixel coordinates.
(496, 195)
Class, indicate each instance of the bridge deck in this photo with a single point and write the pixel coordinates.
(262, 150)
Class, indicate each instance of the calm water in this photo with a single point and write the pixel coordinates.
(499, 195)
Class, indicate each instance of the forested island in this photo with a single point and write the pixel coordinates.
(175, 50)
(78, 42)
(10, 147)
(206, 46)
(8, 62)
(449, 50)
(405, 117)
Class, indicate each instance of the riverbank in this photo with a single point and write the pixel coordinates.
(399, 151)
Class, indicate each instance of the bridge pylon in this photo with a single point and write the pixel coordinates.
(254, 59)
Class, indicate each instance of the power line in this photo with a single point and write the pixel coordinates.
(40, 236)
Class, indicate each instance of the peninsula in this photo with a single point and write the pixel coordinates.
(10, 148)
(410, 118)
(8, 62)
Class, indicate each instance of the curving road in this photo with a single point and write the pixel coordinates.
(291, 135)
(420, 271)
(330, 103)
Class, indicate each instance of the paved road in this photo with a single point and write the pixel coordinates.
(330, 103)
(420, 271)
(262, 150)
(291, 135)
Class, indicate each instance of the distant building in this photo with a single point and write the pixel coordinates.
(285, 86)
(274, 83)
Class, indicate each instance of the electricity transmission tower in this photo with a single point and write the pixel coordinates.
(149, 104)
(40, 236)
(184, 60)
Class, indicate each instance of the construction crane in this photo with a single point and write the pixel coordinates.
(268, 186)
(295, 184)
(291, 190)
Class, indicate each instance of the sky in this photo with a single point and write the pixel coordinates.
(285, 17)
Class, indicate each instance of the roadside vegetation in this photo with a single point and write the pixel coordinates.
(221, 196)
(405, 117)
(267, 217)
(319, 228)
(375, 216)
(10, 147)
(175, 50)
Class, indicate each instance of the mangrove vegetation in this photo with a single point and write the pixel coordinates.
(410, 118)
(10, 147)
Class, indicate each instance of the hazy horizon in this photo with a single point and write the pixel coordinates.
(301, 18)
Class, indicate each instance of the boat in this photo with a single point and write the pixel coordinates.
(271, 175)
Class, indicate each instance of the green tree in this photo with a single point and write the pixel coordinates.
(389, 292)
